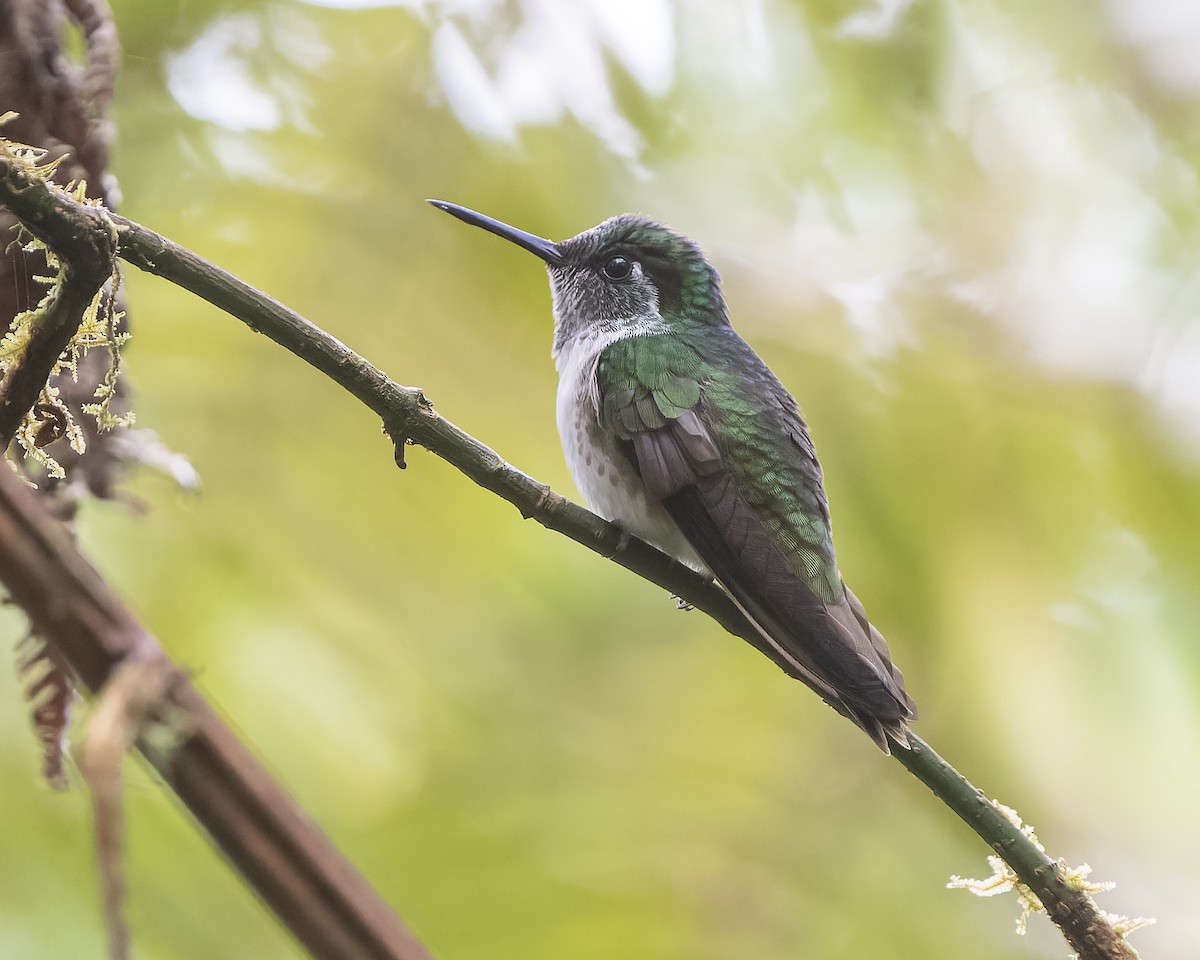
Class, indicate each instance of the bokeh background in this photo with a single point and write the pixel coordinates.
(964, 233)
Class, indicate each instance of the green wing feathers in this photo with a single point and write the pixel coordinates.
(729, 458)
(648, 384)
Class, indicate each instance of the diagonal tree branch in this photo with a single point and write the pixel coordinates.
(284, 856)
(408, 417)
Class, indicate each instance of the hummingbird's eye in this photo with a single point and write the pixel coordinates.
(618, 268)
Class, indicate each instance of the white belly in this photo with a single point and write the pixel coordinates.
(605, 477)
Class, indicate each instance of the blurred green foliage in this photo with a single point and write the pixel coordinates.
(965, 234)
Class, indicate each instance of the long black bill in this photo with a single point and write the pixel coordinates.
(538, 246)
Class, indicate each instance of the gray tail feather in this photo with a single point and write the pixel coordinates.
(884, 732)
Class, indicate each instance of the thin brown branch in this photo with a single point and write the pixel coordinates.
(136, 692)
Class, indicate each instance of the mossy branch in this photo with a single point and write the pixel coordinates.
(408, 417)
(85, 247)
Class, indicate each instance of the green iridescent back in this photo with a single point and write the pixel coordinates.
(647, 381)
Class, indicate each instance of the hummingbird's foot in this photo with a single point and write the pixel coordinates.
(681, 604)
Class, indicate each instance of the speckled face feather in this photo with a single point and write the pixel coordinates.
(671, 281)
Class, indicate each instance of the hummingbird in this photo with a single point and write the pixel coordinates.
(675, 430)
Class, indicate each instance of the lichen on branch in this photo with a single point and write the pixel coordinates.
(34, 335)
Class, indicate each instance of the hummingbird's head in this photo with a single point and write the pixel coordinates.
(628, 274)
